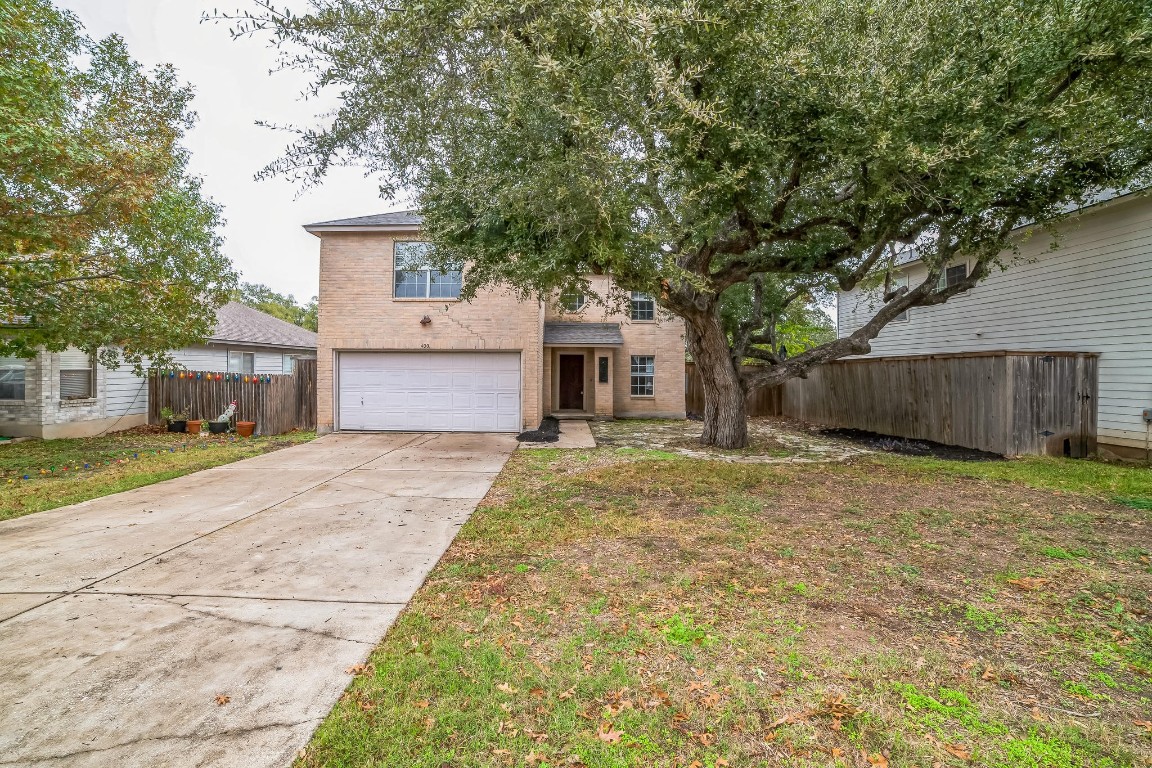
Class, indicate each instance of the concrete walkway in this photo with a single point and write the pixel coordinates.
(122, 619)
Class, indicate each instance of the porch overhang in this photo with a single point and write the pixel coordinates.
(558, 334)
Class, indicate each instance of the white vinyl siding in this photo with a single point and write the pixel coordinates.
(202, 359)
(125, 393)
(1093, 294)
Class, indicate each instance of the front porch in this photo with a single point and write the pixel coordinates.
(579, 369)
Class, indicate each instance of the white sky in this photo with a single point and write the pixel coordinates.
(233, 90)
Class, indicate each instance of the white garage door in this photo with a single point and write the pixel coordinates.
(430, 391)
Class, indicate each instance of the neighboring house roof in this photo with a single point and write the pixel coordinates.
(380, 221)
(242, 324)
(583, 335)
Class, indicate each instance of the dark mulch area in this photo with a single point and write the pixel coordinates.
(547, 432)
(907, 447)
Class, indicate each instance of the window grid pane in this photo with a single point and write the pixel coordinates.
(411, 283)
(643, 375)
(444, 285)
(643, 306)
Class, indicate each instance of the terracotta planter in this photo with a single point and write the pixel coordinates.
(194, 427)
(245, 428)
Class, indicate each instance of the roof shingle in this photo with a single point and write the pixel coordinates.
(583, 335)
(390, 219)
(242, 324)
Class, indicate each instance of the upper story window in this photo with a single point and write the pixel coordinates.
(12, 378)
(643, 306)
(951, 276)
(572, 301)
(77, 375)
(416, 279)
(241, 362)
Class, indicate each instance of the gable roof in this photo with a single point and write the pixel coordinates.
(381, 221)
(242, 324)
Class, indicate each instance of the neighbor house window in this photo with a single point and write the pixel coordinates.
(643, 375)
(241, 362)
(951, 276)
(416, 279)
(289, 364)
(12, 378)
(77, 380)
(643, 306)
(572, 301)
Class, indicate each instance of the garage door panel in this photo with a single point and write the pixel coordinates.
(430, 391)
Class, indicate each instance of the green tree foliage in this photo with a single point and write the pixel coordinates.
(106, 242)
(263, 298)
(692, 147)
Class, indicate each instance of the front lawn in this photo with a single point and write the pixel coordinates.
(44, 474)
(630, 607)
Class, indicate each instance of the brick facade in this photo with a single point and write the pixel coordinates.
(358, 312)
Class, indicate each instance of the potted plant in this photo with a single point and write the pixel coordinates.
(194, 427)
(219, 425)
(177, 422)
(245, 428)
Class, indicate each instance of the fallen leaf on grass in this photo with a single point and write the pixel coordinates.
(221, 700)
(608, 734)
(358, 669)
(959, 750)
(1028, 583)
(877, 760)
(423, 704)
(567, 694)
(1145, 724)
(507, 688)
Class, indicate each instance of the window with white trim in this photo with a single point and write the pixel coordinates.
(642, 306)
(643, 372)
(572, 301)
(289, 364)
(952, 275)
(12, 378)
(416, 279)
(77, 375)
(241, 362)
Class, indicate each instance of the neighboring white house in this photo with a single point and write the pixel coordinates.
(62, 394)
(1092, 294)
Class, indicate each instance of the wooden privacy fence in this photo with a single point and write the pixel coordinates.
(278, 403)
(1011, 403)
(762, 402)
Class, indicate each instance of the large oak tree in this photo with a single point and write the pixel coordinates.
(697, 148)
(106, 241)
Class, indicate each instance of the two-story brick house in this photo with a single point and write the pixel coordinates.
(397, 349)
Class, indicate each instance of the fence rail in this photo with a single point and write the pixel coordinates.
(1011, 403)
(762, 402)
(278, 403)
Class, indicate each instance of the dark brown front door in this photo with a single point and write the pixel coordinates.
(571, 382)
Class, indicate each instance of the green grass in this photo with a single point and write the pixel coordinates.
(602, 609)
(62, 472)
(1127, 484)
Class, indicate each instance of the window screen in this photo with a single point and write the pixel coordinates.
(241, 362)
(643, 375)
(76, 380)
(643, 306)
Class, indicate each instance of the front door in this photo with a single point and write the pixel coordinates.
(571, 382)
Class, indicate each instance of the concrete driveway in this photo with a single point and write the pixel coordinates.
(122, 619)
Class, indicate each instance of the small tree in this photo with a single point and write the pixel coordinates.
(261, 297)
(694, 148)
(106, 242)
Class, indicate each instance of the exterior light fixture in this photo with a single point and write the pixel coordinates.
(425, 320)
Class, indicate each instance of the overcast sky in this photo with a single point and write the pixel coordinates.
(233, 90)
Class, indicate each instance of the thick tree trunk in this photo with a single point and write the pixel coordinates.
(725, 415)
